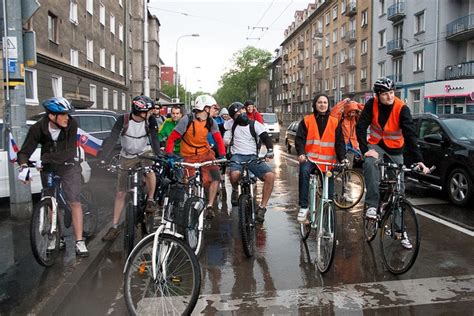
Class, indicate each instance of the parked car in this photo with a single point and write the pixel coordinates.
(270, 120)
(36, 183)
(291, 134)
(447, 142)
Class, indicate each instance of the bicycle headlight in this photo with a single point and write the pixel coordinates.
(329, 174)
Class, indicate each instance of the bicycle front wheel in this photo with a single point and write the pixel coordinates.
(129, 233)
(326, 237)
(193, 208)
(44, 244)
(349, 188)
(175, 289)
(400, 238)
(246, 224)
(90, 214)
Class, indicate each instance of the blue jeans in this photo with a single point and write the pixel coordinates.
(306, 168)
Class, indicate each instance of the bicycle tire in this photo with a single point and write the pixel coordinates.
(40, 237)
(326, 237)
(305, 230)
(129, 227)
(246, 224)
(370, 228)
(90, 214)
(356, 185)
(395, 257)
(144, 295)
(193, 208)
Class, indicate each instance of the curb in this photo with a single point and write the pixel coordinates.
(97, 248)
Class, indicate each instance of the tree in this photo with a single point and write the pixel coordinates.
(249, 65)
(170, 90)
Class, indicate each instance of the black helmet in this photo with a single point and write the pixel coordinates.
(383, 85)
(57, 105)
(234, 108)
(142, 103)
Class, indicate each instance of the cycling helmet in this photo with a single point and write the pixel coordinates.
(383, 85)
(142, 103)
(202, 101)
(234, 108)
(224, 112)
(57, 106)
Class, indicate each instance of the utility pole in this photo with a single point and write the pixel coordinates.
(15, 14)
(146, 73)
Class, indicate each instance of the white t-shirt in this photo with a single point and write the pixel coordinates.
(54, 132)
(244, 142)
(135, 140)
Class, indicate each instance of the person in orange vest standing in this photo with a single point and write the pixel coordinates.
(319, 136)
(391, 128)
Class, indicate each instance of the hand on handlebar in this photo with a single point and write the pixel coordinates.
(421, 166)
(24, 175)
(372, 153)
(345, 162)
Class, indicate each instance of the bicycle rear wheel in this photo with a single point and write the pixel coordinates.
(326, 237)
(349, 188)
(40, 236)
(178, 279)
(246, 224)
(90, 214)
(193, 208)
(397, 257)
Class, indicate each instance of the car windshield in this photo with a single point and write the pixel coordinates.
(269, 118)
(462, 129)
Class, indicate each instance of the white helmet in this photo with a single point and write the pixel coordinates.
(202, 101)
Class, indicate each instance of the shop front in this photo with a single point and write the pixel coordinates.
(449, 97)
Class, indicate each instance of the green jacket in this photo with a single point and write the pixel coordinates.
(165, 131)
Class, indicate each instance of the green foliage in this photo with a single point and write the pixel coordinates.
(170, 90)
(249, 65)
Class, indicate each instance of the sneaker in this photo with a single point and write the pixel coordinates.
(234, 198)
(260, 215)
(209, 212)
(150, 207)
(303, 214)
(52, 244)
(406, 242)
(81, 249)
(111, 234)
(371, 213)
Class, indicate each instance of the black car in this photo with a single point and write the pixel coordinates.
(291, 134)
(447, 142)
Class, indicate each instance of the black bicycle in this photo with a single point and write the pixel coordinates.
(45, 227)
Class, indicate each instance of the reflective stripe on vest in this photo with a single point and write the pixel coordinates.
(391, 134)
(321, 148)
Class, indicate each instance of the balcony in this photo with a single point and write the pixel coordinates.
(461, 29)
(397, 78)
(301, 45)
(300, 82)
(318, 53)
(285, 57)
(351, 8)
(350, 36)
(351, 63)
(395, 47)
(460, 71)
(284, 101)
(396, 12)
(300, 64)
(318, 33)
(285, 86)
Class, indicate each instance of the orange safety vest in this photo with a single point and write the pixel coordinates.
(194, 142)
(321, 148)
(391, 134)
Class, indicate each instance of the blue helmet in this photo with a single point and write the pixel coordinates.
(57, 106)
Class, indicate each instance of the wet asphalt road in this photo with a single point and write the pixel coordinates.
(282, 279)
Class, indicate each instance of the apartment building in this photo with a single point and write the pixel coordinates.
(275, 85)
(81, 54)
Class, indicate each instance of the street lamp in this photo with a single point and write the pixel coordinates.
(176, 79)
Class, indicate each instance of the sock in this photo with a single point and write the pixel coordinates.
(115, 226)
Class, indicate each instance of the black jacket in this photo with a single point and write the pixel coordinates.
(406, 125)
(321, 121)
(52, 152)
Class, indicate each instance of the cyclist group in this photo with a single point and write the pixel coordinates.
(203, 135)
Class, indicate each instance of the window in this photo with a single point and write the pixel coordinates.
(334, 59)
(326, 84)
(327, 62)
(363, 74)
(52, 27)
(363, 47)
(418, 62)
(342, 81)
(416, 101)
(334, 12)
(31, 87)
(364, 18)
(102, 14)
(327, 40)
(102, 57)
(115, 100)
(382, 39)
(381, 7)
(121, 3)
(381, 69)
(121, 67)
(105, 98)
(343, 31)
(73, 12)
(120, 32)
(57, 85)
(124, 106)
(342, 56)
(90, 50)
(74, 58)
(90, 6)
(397, 69)
(112, 24)
(420, 22)
(327, 18)
(343, 6)
(112, 63)
(93, 95)
(334, 83)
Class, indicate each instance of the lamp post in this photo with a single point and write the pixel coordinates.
(176, 79)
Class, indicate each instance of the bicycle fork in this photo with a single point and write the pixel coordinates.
(54, 216)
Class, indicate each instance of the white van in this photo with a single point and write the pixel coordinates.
(270, 120)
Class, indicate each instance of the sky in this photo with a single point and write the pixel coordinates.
(224, 28)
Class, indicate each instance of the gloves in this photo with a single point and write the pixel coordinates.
(345, 162)
(171, 160)
(24, 174)
(270, 154)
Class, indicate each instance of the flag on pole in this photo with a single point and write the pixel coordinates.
(89, 143)
(12, 148)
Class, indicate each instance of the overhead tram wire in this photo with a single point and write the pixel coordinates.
(271, 24)
(261, 18)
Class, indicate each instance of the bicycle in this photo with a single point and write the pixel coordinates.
(45, 227)
(322, 217)
(247, 206)
(396, 218)
(349, 185)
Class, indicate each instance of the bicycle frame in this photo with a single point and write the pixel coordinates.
(57, 199)
(314, 209)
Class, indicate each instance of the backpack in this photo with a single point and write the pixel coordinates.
(126, 121)
(252, 132)
(209, 122)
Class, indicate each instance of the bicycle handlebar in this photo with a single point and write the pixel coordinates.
(258, 160)
(401, 167)
(332, 164)
(197, 165)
